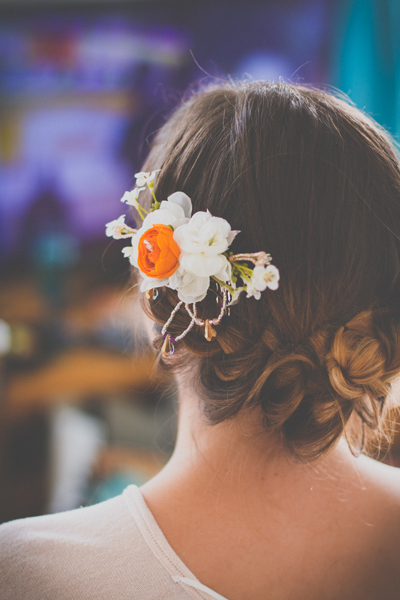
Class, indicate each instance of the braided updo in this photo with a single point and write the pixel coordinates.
(312, 180)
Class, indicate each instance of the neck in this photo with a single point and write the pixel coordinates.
(237, 464)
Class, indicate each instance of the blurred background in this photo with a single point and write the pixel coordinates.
(83, 87)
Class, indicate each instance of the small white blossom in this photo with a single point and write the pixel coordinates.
(252, 291)
(118, 229)
(131, 198)
(143, 178)
(263, 277)
(266, 277)
(127, 251)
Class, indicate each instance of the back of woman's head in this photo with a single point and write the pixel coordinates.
(313, 181)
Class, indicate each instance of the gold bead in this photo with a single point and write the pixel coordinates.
(167, 347)
(209, 331)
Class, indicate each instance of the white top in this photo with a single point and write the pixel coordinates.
(112, 550)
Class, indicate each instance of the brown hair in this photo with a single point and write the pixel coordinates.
(313, 181)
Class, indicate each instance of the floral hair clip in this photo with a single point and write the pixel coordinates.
(184, 252)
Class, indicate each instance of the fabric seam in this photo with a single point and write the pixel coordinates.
(176, 570)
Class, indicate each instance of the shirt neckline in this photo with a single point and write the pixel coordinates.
(160, 547)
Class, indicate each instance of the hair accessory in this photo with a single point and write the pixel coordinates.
(209, 331)
(184, 252)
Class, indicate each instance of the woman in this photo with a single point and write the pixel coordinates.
(265, 496)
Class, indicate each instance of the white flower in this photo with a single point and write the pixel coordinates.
(118, 229)
(202, 242)
(207, 266)
(191, 288)
(131, 198)
(176, 211)
(261, 278)
(204, 234)
(143, 178)
(150, 283)
(183, 201)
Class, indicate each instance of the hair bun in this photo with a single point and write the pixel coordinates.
(357, 362)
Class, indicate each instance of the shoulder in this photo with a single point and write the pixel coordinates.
(381, 481)
(380, 495)
(378, 488)
(54, 556)
(95, 553)
(86, 525)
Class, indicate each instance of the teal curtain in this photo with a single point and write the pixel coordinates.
(366, 63)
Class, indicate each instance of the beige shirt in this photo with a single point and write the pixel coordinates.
(112, 550)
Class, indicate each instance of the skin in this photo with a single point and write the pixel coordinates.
(251, 523)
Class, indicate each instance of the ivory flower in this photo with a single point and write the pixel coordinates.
(149, 283)
(202, 242)
(118, 229)
(181, 200)
(143, 178)
(175, 211)
(190, 287)
(131, 197)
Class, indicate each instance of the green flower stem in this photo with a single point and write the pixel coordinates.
(243, 272)
(140, 210)
(152, 193)
(223, 284)
(243, 269)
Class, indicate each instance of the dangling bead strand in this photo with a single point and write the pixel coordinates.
(168, 347)
(209, 331)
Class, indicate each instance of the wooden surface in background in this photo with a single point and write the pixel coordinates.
(78, 374)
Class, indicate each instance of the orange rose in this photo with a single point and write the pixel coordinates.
(158, 253)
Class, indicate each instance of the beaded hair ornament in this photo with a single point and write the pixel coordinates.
(184, 252)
